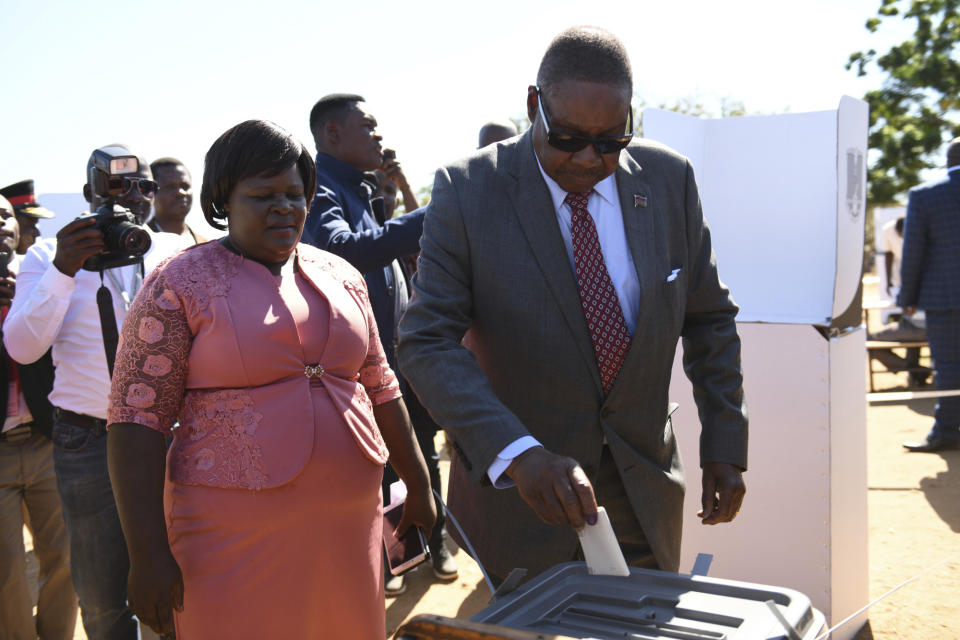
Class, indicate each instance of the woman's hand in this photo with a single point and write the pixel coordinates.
(419, 509)
(136, 457)
(407, 461)
(155, 589)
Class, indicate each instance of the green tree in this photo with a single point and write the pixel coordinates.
(917, 108)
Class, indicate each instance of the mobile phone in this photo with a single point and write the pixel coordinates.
(403, 553)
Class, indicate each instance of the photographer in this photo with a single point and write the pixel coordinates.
(56, 306)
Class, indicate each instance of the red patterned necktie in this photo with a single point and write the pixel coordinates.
(601, 308)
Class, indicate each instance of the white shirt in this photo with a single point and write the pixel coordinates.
(17, 409)
(51, 309)
(604, 207)
(891, 242)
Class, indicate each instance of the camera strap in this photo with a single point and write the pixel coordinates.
(108, 319)
(108, 324)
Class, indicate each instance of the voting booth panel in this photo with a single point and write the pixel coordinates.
(784, 198)
(803, 524)
(786, 221)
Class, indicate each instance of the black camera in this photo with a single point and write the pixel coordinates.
(112, 173)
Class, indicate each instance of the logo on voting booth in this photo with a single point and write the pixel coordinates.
(855, 180)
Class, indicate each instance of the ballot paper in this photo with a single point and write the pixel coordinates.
(600, 548)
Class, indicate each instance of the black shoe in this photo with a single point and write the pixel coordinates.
(932, 444)
(444, 566)
(393, 586)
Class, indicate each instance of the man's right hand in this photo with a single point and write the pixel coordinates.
(76, 242)
(557, 488)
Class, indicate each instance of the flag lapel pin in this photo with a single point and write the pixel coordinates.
(639, 201)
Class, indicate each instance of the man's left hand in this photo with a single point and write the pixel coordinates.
(723, 491)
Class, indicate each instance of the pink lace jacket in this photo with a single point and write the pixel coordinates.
(209, 340)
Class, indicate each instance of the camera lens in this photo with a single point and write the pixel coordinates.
(134, 240)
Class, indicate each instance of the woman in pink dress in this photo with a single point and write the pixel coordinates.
(263, 520)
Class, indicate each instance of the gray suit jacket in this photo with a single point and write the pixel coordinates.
(493, 262)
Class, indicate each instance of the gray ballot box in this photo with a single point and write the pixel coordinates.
(566, 600)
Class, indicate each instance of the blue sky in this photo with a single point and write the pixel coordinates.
(167, 78)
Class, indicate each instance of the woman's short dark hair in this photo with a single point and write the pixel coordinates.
(251, 148)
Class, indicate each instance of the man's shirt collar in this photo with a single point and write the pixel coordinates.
(338, 169)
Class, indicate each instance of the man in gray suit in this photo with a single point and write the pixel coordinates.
(575, 259)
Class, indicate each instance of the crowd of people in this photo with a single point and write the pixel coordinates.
(222, 419)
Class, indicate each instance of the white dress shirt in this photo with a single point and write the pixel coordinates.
(52, 309)
(604, 207)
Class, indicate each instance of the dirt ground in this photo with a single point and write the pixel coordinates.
(914, 513)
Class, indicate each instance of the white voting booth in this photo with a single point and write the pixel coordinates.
(784, 196)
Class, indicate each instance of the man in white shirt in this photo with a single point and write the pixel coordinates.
(907, 328)
(28, 485)
(891, 245)
(56, 306)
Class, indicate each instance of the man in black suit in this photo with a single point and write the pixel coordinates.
(930, 280)
(28, 483)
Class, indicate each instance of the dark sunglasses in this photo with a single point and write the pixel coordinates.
(121, 186)
(570, 143)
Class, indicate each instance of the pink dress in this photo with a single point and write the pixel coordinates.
(272, 498)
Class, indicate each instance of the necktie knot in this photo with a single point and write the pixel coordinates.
(577, 201)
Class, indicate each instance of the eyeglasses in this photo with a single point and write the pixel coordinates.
(121, 185)
(570, 143)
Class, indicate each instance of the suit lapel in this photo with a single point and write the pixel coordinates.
(533, 207)
(639, 210)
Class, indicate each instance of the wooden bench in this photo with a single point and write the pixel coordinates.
(876, 345)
